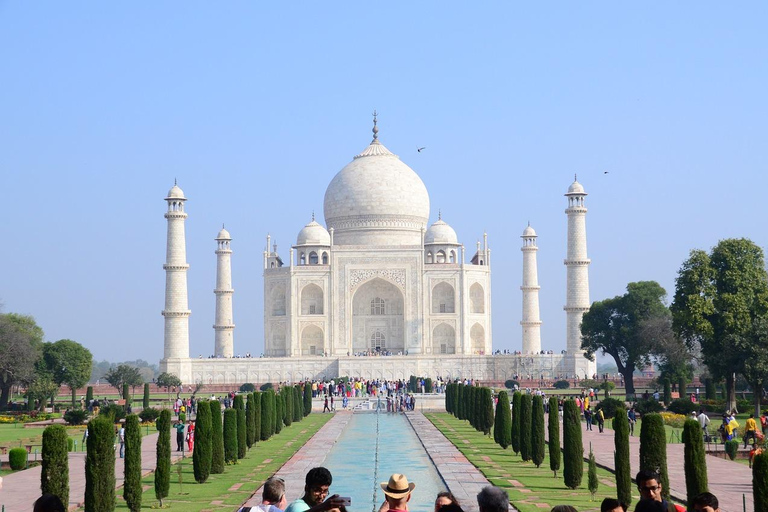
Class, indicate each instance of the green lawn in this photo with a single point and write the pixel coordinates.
(532, 485)
(220, 492)
(13, 435)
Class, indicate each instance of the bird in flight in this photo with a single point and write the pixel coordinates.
(419, 149)
(605, 172)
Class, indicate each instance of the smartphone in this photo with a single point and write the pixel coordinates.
(346, 501)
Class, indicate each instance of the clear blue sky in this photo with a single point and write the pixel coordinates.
(254, 106)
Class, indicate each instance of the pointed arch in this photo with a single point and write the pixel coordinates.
(476, 299)
(443, 298)
(311, 300)
(443, 339)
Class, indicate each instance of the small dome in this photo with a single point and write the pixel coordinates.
(313, 234)
(175, 193)
(576, 188)
(529, 231)
(223, 235)
(440, 233)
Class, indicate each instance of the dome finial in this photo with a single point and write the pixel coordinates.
(175, 182)
(439, 214)
(313, 215)
(574, 177)
(375, 128)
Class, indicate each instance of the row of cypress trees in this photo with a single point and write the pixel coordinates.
(471, 403)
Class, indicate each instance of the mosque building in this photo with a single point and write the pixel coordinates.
(377, 293)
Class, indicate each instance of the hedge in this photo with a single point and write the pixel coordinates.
(695, 461)
(201, 455)
(54, 478)
(247, 388)
(149, 415)
(502, 424)
(459, 407)
(230, 436)
(132, 489)
(573, 450)
(537, 432)
(217, 438)
(682, 406)
(526, 425)
(667, 396)
(163, 452)
(562, 384)
(516, 409)
(653, 448)
(554, 436)
(648, 406)
(17, 458)
(621, 457)
(100, 466)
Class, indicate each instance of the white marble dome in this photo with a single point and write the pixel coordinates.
(529, 231)
(175, 193)
(440, 233)
(376, 200)
(223, 235)
(313, 234)
(576, 188)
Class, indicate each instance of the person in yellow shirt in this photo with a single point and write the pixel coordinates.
(750, 428)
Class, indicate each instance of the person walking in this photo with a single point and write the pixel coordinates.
(325, 405)
(588, 417)
(121, 437)
(179, 426)
(632, 417)
(750, 430)
(600, 420)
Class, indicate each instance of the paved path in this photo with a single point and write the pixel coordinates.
(21, 489)
(728, 480)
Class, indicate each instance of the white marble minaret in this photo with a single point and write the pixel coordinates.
(531, 321)
(224, 327)
(577, 263)
(176, 310)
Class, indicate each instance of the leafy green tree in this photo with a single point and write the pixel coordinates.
(21, 344)
(502, 425)
(592, 482)
(54, 478)
(168, 381)
(753, 345)
(124, 374)
(250, 421)
(68, 362)
(239, 406)
(573, 449)
(257, 408)
(132, 489)
(41, 388)
(695, 461)
(307, 398)
(617, 327)
(537, 432)
(202, 454)
(230, 436)
(526, 425)
(554, 436)
(653, 448)
(163, 451)
(100, 466)
(516, 414)
(621, 456)
(760, 481)
(718, 298)
(217, 438)
(145, 402)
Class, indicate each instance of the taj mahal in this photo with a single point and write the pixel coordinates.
(376, 293)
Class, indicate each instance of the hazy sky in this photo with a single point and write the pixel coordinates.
(255, 106)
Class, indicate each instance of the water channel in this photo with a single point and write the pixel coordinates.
(372, 447)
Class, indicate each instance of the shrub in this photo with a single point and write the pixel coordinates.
(230, 436)
(510, 384)
(257, 415)
(428, 385)
(217, 438)
(502, 425)
(100, 466)
(132, 489)
(526, 425)
(76, 416)
(653, 448)
(307, 399)
(682, 406)
(589, 384)
(621, 456)
(149, 415)
(17, 458)
(554, 436)
(732, 448)
(247, 388)
(70, 444)
(592, 482)
(673, 420)
(516, 410)
(609, 406)
(114, 411)
(537, 432)
(201, 455)
(573, 450)
(695, 461)
(145, 402)
(648, 406)
(760, 481)
(265, 386)
(54, 478)
(562, 384)
(607, 386)
(163, 451)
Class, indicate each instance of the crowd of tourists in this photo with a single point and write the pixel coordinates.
(364, 388)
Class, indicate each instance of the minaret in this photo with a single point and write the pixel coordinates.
(577, 263)
(223, 325)
(176, 310)
(531, 321)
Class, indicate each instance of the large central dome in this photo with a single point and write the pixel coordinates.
(376, 200)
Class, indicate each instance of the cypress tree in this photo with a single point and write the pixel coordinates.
(279, 412)
(592, 482)
(554, 436)
(230, 436)
(100, 466)
(145, 404)
(202, 457)
(287, 394)
(132, 489)
(307, 398)
(573, 450)
(272, 398)
(526, 424)
(472, 406)
(448, 391)
(250, 421)
(88, 398)
(298, 406)
(267, 424)
(621, 456)
(126, 393)
(487, 411)
(667, 392)
(217, 438)
(54, 478)
(502, 424)
(256, 416)
(695, 461)
(537, 432)
(516, 409)
(653, 448)
(459, 409)
(239, 406)
(163, 451)
(760, 481)
(682, 384)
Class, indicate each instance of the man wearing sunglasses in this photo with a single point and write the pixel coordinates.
(649, 485)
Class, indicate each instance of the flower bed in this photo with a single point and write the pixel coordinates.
(673, 420)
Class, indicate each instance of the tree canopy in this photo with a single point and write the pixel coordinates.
(124, 374)
(21, 346)
(168, 381)
(68, 362)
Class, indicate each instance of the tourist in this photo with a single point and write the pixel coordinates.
(397, 492)
(316, 485)
(325, 404)
(48, 503)
(764, 422)
(121, 438)
(600, 420)
(588, 417)
(703, 420)
(179, 426)
(563, 508)
(754, 452)
(190, 435)
(632, 417)
(706, 502)
(750, 429)
(649, 485)
(650, 506)
(612, 505)
(272, 499)
(493, 499)
(445, 498)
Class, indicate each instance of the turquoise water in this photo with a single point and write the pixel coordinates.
(357, 469)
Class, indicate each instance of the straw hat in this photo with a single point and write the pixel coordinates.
(398, 486)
